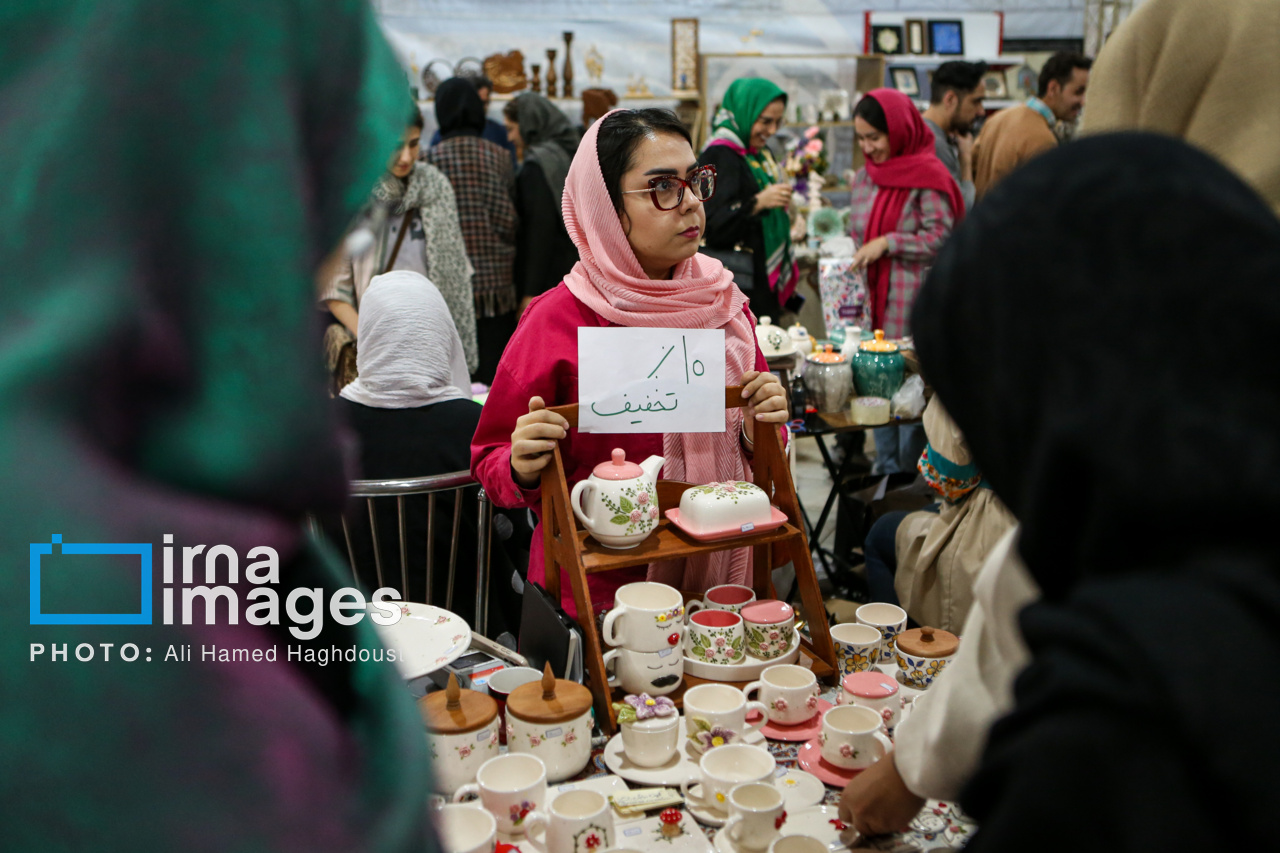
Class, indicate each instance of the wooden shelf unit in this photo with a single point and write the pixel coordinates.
(570, 551)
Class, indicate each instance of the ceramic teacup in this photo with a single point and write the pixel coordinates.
(790, 693)
(873, 690)
(500, 685)
(770, 627)
(511, 787)
(729, 596)
(716, 715)
(889, 619)
(655, 673)
(466, 829)
(721, 770)
(715, 636)
(851, 737)
(857, 646)
(757, 811)
(575, 821)
(798, 844)
(646, 617)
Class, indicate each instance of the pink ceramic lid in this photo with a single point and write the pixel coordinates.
(767, 612)
(618, 468)
(870, 685)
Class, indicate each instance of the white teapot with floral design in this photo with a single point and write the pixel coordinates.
(618, 503)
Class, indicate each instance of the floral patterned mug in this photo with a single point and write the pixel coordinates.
(716, 716)
(716, 636)
(790, 693)
(770, 628)
(510, 787)
(852, 737)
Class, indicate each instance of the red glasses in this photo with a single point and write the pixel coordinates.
(667, 191)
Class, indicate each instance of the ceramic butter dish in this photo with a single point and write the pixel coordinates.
(725, 509)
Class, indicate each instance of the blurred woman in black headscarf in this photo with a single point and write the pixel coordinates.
(1140, 450)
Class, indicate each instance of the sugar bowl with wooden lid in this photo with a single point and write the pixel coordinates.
(462, 733)
(923, 653)
(552, 719)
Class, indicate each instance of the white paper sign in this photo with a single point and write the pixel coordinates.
(650, 380)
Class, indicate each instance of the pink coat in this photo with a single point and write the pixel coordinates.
(542, 361)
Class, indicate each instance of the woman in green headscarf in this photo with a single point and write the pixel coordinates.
(748, 213)
(174, 174)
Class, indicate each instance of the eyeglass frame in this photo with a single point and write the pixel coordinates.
(685, 185)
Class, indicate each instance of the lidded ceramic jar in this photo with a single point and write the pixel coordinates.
(800, 336)
(462, 733)
(551, 719)
(878, 367)
(827, 380)
(774, 340)
(923, 653)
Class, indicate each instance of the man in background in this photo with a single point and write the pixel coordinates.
(494, 131)
(1015, 135)
(955, 102)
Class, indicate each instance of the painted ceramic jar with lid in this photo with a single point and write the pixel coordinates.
(875, 690)
(878, 367)
(462, 734)
(923, 653)
(551, 719)
(827, 380)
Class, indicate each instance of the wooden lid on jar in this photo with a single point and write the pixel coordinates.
(551, 700)
(928, 642)
(454, 711)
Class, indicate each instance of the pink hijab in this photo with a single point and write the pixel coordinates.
(700, 295)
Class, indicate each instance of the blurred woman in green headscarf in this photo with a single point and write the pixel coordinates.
(747, 222)
(161, 389)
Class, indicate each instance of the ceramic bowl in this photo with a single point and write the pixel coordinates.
(717, 507)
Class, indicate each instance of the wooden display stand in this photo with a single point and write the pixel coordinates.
(569, 551)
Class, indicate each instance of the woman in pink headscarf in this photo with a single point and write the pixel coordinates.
(904, 204)
(633, 207)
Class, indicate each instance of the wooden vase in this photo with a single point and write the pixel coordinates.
(535, 84)
(567, 85)
(551, 72)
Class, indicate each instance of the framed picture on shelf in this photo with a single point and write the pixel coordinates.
(917, 37)
(946, 38)
(904, 79)
(684, 55)
(996, 83)
(887, 39)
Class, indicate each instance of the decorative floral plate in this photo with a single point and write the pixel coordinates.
(425, 639)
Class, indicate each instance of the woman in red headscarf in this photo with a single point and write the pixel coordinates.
(904, 205)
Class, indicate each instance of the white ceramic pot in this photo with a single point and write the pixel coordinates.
(646, 617)
(790, 693)
(724, 507)
(652, 742)
(919, 672)
(618, 503)
(873, 690)
(851, 737)
(655, 673)
(455, 758)
(564, 747)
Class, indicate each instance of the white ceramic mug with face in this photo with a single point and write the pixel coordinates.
(727, 596)
(852, 737)
(575, 822)
(857, 646)
(790, 693)
(889, 619)
(716, 715)
(466, 829)
(655, 673)
(715, 636)
(757, 811)
(511, 787)
(646, 617)
(721, 770)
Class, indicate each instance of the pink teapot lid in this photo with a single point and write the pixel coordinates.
(618, 468)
